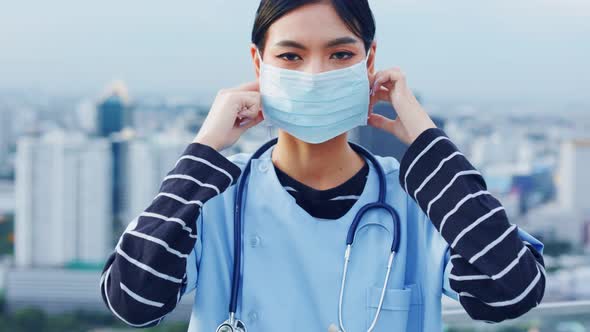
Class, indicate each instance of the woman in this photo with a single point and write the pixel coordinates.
(314, 63)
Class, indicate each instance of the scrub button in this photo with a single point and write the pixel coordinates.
(254, 241)
(263, 166)
(253, 316)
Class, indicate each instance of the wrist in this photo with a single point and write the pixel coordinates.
(209, 142)
(417, 132)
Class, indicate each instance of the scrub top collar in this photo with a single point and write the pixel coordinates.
(264, 166)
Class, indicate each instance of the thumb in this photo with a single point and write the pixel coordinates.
(249, 123)
(381, 122)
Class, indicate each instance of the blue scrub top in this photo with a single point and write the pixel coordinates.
(292, 262)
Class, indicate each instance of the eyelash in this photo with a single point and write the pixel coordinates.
(285, 55)
(347, 55)
(289, 56)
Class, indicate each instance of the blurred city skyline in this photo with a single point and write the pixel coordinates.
(99, 99)
(532, 51)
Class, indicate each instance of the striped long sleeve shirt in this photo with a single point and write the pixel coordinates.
(144, 278)
(496, 275)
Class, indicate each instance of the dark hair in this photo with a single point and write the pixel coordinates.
(356, 14)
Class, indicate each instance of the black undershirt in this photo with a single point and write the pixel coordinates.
(331, 203)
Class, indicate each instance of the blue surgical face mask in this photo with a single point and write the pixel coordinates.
(315, 107)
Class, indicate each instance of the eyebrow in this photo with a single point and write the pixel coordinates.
(341, 41)
(332, 43)
(291, 43)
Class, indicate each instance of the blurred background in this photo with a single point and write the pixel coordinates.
(98, 100)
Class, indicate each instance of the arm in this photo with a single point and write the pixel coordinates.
(146, 275)
(495, 272)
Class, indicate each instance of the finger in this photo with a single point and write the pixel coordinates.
(250, 114)
(378, 80)
(387, 78)
(377, 97)
(249, 102)
(381, 94)
(250, 86)
(372, 77)
(249, 123)
(249, 109)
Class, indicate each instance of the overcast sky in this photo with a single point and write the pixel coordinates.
(459, 50)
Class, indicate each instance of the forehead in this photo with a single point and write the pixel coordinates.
(309, 24)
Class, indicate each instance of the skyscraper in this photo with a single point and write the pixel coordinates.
(150, 159)
(574, 179)
(63, 206)
(120, 142)
(5, 122)
(114, 123)
(113, 111)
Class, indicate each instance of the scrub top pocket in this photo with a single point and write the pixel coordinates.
(394, 312)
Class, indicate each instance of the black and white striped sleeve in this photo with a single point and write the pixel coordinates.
(145, 277)
(495, 273)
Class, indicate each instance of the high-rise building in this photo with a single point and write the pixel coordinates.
(5, 122)
(113, 111)
(86, 116)
(63, 206)
(120, 143)
(573, 178)
(568, 218)
(149, 160)
(114, 123)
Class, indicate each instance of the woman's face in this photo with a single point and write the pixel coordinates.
(312, 39)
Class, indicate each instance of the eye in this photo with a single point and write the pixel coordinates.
(342, 55)
(289, 57)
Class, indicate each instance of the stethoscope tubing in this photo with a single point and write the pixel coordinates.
(379, 204)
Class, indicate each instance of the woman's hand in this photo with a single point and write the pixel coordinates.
(233, 112)
(390, 85)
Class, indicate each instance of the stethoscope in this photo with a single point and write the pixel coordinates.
(232, 324)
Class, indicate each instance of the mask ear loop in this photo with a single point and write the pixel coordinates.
(367, 62)
(265, 123)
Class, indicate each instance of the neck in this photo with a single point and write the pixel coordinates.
(320, 166)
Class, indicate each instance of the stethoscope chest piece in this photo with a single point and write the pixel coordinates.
(227, 326)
